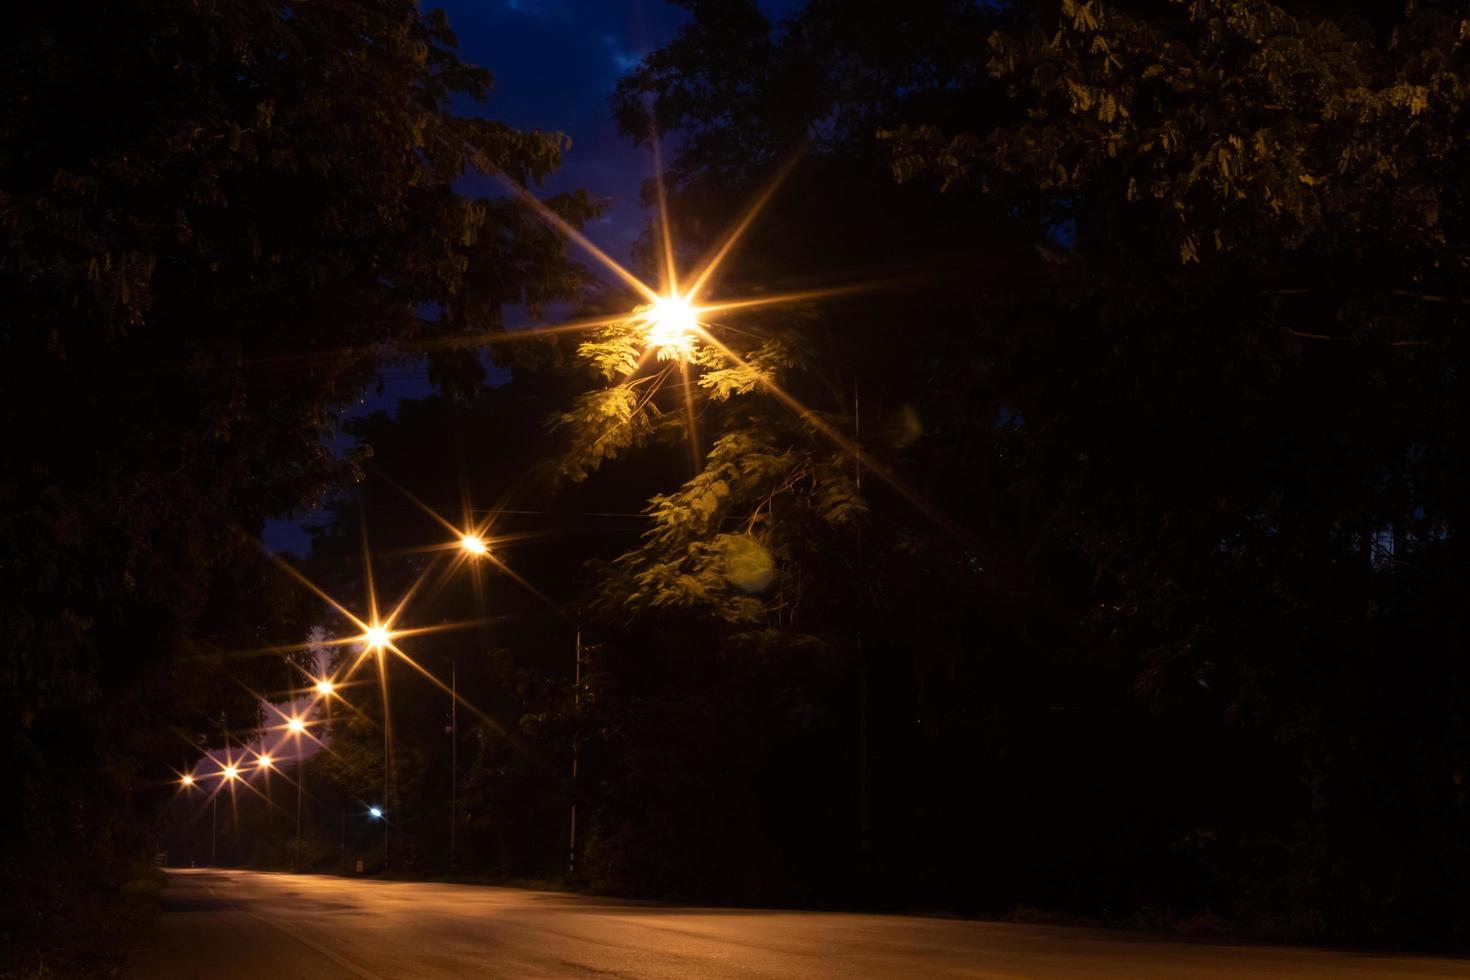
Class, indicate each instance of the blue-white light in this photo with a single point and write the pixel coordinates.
(376, 813)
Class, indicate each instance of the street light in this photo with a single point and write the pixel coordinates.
(670, 326)
(297, 726)
(325, 686)
(265, 761)
(474, 544)
(377, 637)
(230, 773)
(187, 780)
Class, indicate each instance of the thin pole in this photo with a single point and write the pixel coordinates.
(300, 788)
(386, 804)
(576, 702)
(453, 759)
(213, 827)
(865, 842)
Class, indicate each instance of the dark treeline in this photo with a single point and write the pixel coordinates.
(1112, 570)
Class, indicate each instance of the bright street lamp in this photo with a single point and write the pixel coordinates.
(187, 780)
(296, 725)
(474, 544)
(375, 813)
(325, 686)
(670, 325)
(231, 772)
(377, 637)
(265, 761)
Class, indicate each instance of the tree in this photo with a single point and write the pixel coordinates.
(1248, 370)
(782, 604)
(1184, 366)
(218, 220)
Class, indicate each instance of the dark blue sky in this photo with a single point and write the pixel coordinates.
(555, 63)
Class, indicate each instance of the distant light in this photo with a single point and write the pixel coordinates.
(375, 812)
(474, 544)
(296, 725)
(265, 761)
(188, 780)
(231, 772)
(671, 326)
(325, 686)
(377, 637)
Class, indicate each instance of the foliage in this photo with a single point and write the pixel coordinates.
(216, 219)
(1256, 282)
(1195, 400)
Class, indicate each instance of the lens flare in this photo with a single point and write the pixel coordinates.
(325, 686)
(265, 761)
(376, 637)
(188, 780)
(296, 725)
(231, 772)
(670, 326)
(474, 544)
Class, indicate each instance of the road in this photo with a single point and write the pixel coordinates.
(223, 925)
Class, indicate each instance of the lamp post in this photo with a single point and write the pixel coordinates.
(230, 773)
(474, 546)
(576, 702)
(453, 761)
(377, 814)
(296, 726)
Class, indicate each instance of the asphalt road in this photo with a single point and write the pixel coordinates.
(236, 924)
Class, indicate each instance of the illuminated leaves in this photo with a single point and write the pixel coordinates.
(603, 423)
(615, 351)
(720, 542)
(1224, 131)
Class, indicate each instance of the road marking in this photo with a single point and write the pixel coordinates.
(341, 961)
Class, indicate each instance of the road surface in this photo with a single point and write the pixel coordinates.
(237, 924)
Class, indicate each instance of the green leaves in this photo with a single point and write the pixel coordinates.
(204, 258)
(603, 424)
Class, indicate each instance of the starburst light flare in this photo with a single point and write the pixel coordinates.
(671, 326)
(672, 319)
(376, 638)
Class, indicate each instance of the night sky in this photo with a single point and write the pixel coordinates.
(555, 63)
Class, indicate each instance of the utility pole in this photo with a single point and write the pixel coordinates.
(576, 703)
(300, 788)
(865, 835)
(213, 826)
(387, 807)
(453, 760)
